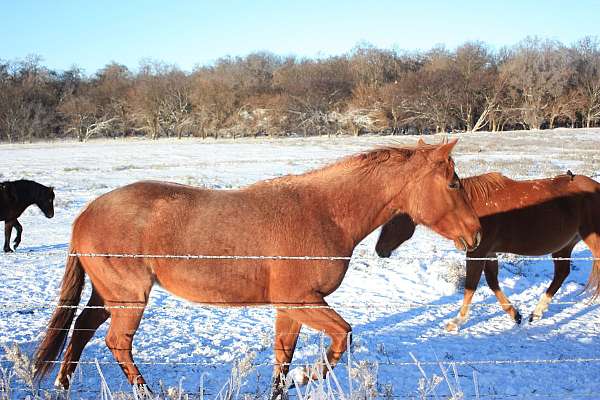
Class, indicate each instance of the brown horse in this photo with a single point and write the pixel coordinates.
(325, 212)
(532, 218)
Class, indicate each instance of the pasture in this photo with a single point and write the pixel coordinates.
(396, 306)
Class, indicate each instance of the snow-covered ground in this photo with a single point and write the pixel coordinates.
(396, 307)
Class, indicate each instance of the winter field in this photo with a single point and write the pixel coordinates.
(396, 306)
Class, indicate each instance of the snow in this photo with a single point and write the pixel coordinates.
(396, 306)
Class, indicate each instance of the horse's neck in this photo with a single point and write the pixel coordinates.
(357, 205)
(26, 193)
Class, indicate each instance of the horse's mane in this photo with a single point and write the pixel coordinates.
(363, 164)
(479, 187)
(369, 161)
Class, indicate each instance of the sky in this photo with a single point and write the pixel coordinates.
(93, 33)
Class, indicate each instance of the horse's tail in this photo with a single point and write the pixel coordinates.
(60, 323)
(593, 239)
(593, 284)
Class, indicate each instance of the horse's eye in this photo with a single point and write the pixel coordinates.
(455, 184)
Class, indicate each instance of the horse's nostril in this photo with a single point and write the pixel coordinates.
(383, 253)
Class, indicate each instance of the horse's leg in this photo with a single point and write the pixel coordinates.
(333, 325)
(562, 268)
(491, 276)
(124, 320)
(592, 240)
(19, 229)
(8, 225)
(286, 337)
(86, 325)
(474, 269)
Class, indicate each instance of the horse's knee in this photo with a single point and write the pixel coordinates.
(116, 342)
(342, 340)
(111, 340)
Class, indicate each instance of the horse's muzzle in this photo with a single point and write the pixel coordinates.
(476, 242)
(383, 253)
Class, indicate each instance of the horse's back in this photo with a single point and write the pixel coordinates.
(167, 214)
(587, 184)
(540, 216)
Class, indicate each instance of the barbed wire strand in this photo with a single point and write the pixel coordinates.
(291, 394)
(395, 363)
(301, 258)
(392, 305)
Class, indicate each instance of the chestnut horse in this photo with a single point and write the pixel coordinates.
(325, 212)
(532, 218)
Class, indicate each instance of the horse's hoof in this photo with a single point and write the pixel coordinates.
(518, 318)
(61, 384)
(142, 389)
(452, 327)
(533, 317)
(297, 377)
(8, 250)
(279, 393)
(279, 388)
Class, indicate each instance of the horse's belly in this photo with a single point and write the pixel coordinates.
(539, 237)
(214, 284)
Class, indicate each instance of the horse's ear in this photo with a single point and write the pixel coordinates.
(443, 151)
(421, 142)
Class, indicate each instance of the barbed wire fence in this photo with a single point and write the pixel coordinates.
(291, 257)
(390, 306)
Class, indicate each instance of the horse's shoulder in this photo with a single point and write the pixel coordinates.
(8, 191)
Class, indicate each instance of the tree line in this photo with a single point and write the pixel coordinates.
(535, 84)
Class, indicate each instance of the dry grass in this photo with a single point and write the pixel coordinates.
(361, 384)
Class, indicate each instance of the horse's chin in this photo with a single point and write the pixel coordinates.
(462, 245)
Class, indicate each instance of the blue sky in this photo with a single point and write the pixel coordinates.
(92, 33)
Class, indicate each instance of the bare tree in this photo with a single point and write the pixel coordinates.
(586, 64)
(535, 84)
(539, 73)
(475, 91)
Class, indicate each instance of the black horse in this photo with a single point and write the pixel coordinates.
(15, 197)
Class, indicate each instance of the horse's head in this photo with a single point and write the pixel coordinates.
(437, 200)
(393, 234)
(45, 201)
